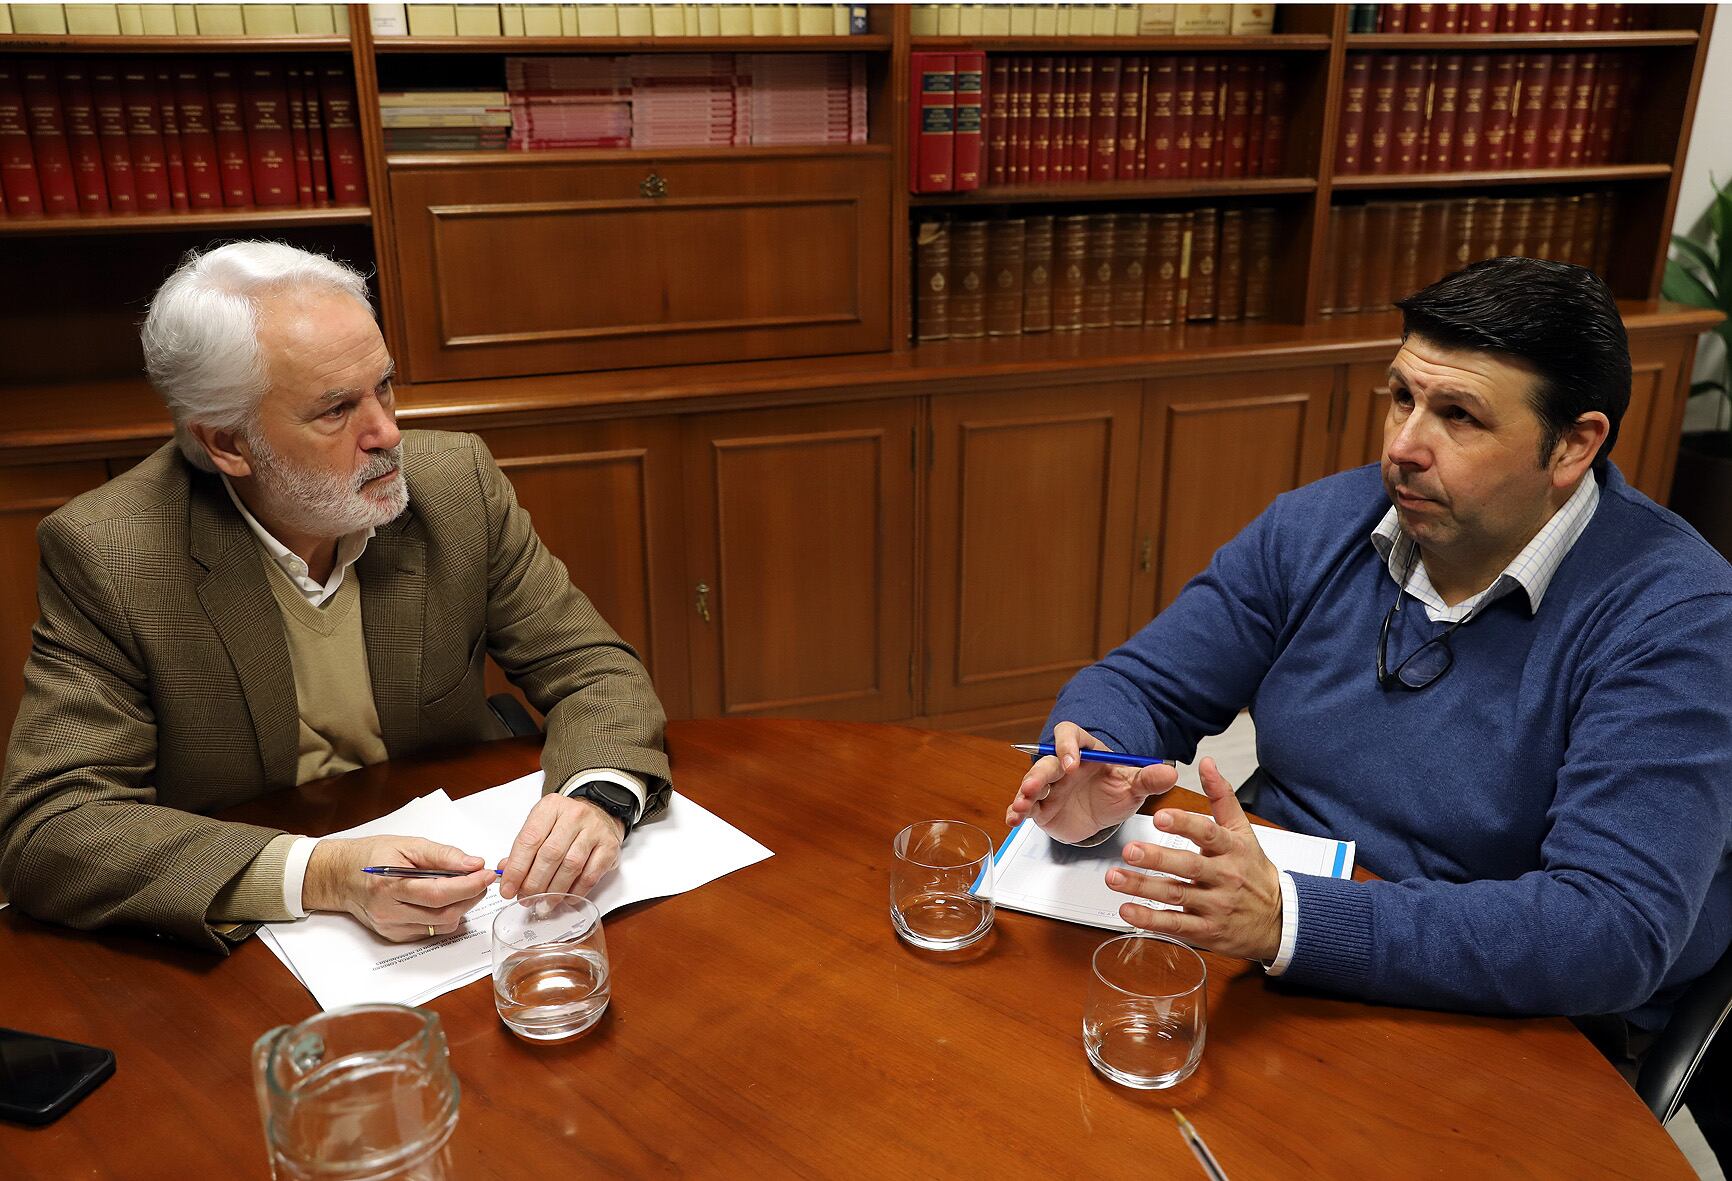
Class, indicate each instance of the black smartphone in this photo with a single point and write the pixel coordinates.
(42, 1077)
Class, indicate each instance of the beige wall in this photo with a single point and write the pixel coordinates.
(1710, 153)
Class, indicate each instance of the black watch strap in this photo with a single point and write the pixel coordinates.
(616, 800)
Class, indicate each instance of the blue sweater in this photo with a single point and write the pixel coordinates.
(1553, 817)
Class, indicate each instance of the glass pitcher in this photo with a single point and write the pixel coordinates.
(358, 1094)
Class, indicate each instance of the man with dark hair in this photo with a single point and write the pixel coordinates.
(1504, 672)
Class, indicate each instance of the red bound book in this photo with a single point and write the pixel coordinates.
(1480, 18)
(1082, 105)
(1560, 18)
(1470, 118)
(1158, 132)
(1449, 18)
(1257, 137)
(197, 143)
(1022, 124)
(144, 137)
(933, 121)
(1131, 120)
(1184, 117)
(316, 136)
(1497, 136)
(1040, 128)
(17, 162)
(110, 106)
(1445, 105)
(89, 176)
(1588, 18)
(997, 121)
(1560, 91)
(1392, 18)
(1275, 123)
(1581, 104)
(1530, 18)
(47, 123)
(1529, 145)
(970, 78)
(303, 151)
(1355, 93)
(1380, 115)
(1207, 126)
(1237, 125)
(1608, 97)
(1058, 135)
(228, 128)
(173, 153)
(1422, 18)
(1413, 83)
(270, 144)
(1104, 127)
(342, 136)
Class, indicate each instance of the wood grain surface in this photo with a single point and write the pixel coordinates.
(770, 1024)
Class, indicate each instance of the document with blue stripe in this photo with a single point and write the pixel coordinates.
(1037, 874)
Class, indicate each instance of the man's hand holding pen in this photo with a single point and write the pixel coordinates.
(1072, 799)
(398, 909)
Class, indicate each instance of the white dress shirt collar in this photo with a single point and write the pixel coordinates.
(349, 550)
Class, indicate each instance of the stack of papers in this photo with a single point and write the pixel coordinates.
(343, 963)
(1034, 873)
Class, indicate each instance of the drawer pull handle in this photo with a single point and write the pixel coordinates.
(704, 601)
(653, 185)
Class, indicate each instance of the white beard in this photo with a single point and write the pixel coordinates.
(326, 505)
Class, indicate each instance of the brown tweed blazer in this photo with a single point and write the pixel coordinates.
(159, 686)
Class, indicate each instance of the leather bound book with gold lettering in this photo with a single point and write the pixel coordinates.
(1040, 125)
(1230, 274)
(1544, 236)
(1098, 277)
(997, 121)
(1131, 246)
(1530, 143)
(1560, 93)
(932, 280)
(1379, 256)
(1259, 262)
(1005, 240)
(1581, 109)
(1132, 80)
(1462, 212)
(1608, 102)
(1355, 91)
(1104, 126)
(1469, 151)
(1166, 242)
(1413, 84)
(1331, 261)
(1158, 130)
(967, 279)
(1206, 127)
(1404, 266)
(1601, 245)
(1497, 136)
(1058, 150)
(1433, 241)
(1236, 146)
(1445, 103)
(1489, 228)
(1518, 227)
(1379, 154)
(1205, 262)
(1068, 275)
(1350, 260)
(1565, 237)
(1037, 274)
(1274, 121)
(1184, 119)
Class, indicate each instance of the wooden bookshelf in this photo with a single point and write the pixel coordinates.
(692, 361)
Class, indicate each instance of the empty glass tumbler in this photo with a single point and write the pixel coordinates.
(363, 1093)
(550, 972)
(1147, 1011)
(941, 884)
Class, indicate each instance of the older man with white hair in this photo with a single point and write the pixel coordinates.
(292, 589)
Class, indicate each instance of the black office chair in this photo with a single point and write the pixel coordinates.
(510, 711)
(1687, 1050)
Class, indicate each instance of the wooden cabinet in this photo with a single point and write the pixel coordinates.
(1216, 451)
(799, 590)
(527, 263)
(605, 499)
(1031, 509)
(27, 494)
(1365, 404)
(1647, 446)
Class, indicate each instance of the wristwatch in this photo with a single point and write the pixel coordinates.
(613, 798)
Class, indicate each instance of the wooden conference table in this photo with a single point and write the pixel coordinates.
(770, 1024)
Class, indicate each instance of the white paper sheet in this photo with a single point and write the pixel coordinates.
(1034, 873)
(342, 963)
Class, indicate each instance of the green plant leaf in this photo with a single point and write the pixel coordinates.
(1680, 286)
(1697, 253)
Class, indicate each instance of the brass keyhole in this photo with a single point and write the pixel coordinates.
(653, 185)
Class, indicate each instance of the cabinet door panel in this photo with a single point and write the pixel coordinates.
(605, 499)
(1033, 502)
(547, 265)
(800, 530)
(1367, 394)
(1221, 449)
(1647, 444)
(28, 494)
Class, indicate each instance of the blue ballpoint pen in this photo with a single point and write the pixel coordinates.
(409, 871)
(1036, 749)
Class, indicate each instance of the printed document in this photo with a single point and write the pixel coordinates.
(1034, 873)
(343, 963)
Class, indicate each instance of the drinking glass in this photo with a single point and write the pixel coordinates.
(941, 884)
(550, 972)
(1147, 1011)
(363, 1093)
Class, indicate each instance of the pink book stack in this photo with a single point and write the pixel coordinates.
(807, 98)
(569, 102)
